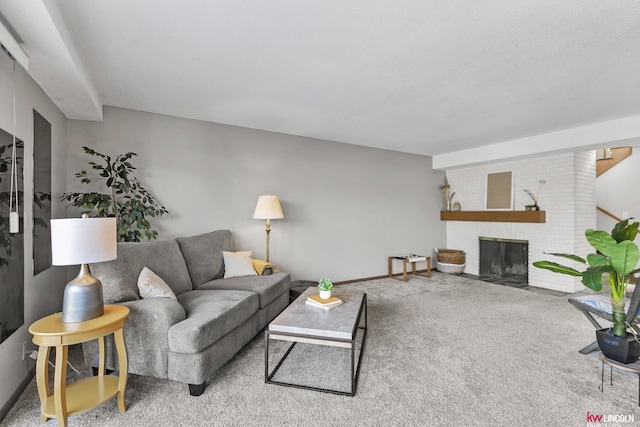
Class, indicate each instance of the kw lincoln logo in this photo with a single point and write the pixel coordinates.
(597, 419)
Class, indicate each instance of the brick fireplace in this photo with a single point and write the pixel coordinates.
(567, 197)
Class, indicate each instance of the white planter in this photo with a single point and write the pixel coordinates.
(325, 294)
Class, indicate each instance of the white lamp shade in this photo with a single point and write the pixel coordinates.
(77, 241)
(268, 207)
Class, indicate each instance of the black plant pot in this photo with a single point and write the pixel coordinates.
(623, 350)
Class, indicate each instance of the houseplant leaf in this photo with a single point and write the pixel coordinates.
(625, 231)
(624, 257)
(592, 276)
(568, 256)
(595, 260)
(632, 231)
(600, 240)
(618, 232)
(557, 268)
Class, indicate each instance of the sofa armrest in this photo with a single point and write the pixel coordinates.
(146, 334)
(264, 268)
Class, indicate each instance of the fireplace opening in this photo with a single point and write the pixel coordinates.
(504, 261)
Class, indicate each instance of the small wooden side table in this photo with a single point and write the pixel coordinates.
(634, 368)
(406, 261)
(87, 393)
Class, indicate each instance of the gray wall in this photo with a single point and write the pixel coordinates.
(43, 293)
(346, 207)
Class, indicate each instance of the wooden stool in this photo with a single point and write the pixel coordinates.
(406, 261)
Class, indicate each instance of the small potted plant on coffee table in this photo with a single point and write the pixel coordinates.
(324, 288)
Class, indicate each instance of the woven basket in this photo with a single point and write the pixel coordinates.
(451, 256)
(450, 268)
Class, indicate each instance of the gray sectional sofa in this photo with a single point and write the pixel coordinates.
(186, 339)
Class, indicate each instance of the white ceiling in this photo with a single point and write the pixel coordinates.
(418, 76)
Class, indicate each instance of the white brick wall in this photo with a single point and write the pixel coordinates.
(568, 197)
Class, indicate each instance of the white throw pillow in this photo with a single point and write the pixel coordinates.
(238, 264)
(151, 285)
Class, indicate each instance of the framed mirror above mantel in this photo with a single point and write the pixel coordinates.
(495, 216)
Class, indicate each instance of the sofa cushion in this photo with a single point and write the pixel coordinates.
(267, 287)
(210, 316)
(238, 264)
(203, 254)
(120, 277)
(150, 285)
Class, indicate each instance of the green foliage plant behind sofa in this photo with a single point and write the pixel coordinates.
(188, 338)
(129, 202)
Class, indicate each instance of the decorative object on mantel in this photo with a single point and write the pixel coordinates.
(450, 261)
(456, 207)
(499, 191)
(534, 206)
(617, 256)
(447, 196)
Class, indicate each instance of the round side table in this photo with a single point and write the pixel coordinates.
(634, 368)
(87, 393)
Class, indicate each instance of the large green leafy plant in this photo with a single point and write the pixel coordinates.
(615, 259)
(128, 201)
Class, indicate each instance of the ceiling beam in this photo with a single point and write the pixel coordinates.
(13, 47)
(613, 133)
(54, 61)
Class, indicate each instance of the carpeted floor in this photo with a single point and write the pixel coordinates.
(445, 351)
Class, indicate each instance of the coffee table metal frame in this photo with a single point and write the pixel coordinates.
(319, 340)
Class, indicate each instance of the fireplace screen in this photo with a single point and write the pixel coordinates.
(504, 261)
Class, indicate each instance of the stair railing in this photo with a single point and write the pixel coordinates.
(606, 212)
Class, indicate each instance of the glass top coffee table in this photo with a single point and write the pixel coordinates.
(343, 327)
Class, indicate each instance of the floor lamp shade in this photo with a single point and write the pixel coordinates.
(81, 241)
(268, 208)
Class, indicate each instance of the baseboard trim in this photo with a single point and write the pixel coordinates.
(16, 394)
(364, 279)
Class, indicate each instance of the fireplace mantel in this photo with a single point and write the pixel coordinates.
(495, 216)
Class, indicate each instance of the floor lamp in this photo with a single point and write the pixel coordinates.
(268, 208)
(81, 241)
